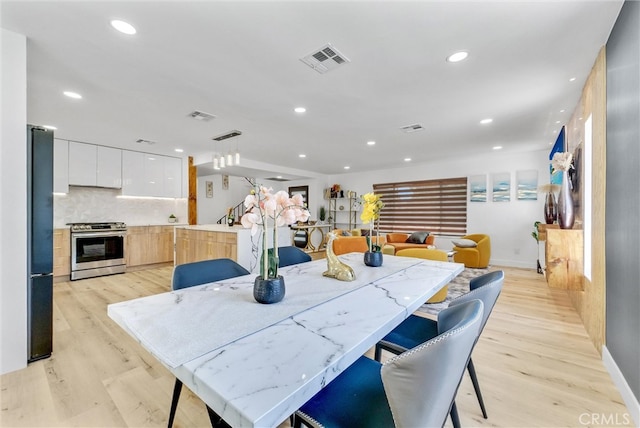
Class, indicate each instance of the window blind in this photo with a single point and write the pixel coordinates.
(438, 206)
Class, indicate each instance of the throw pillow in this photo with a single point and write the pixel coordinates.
(364, 232)
(356, 232)
(417, 237)
(464, 243)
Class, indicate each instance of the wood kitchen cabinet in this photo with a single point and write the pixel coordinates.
(149, 245)
(197, 245)
(61, 252)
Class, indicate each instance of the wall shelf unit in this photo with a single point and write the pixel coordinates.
(343, 212)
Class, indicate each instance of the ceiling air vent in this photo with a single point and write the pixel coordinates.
(325, 59)
(412, 128)
(200, 115)
(140, 141)
(277, 179)
(226, 135)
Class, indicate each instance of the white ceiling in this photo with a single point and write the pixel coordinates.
(240, 61)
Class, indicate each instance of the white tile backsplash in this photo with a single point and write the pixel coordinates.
(95, 204)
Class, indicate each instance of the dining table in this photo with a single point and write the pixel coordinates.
(255, 364)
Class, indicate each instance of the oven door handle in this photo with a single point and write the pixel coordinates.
(98, 234)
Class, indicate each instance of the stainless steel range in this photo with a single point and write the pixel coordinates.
(97, 249)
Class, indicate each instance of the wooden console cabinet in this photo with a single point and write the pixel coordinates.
(564, 258)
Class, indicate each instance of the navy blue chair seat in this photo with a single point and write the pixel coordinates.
(290, 255)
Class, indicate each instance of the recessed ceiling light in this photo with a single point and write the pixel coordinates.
(486, 121)
(179, 150)
(347, 167)
(278, 176)
(458, 56)
(572, 79)
(371, 143)
(74, 95)
(299, 109)
(557, 121)
(562, 111)
(123, 27)
(302, 156)
(53, 128)
(407, 159)
(497, 147)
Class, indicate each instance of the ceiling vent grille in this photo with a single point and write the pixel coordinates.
(325, 59)
(229, 134)
(149, 142)
(202, 116)
(277, 179)
(412, 128)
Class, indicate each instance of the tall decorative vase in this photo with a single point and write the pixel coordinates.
(550, 208)
(566, 214)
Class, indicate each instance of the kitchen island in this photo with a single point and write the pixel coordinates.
(214, 241)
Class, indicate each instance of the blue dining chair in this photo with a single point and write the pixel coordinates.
(190, 275)
(414, 389)
(202, 272)
(416, 329)
(291, 255)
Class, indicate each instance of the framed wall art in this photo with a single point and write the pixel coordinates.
(527, 185)
(209, 188)
(502, 187)
(478, 188)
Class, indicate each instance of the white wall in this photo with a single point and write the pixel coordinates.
(13, 206)
(211, 209)
(509, 224)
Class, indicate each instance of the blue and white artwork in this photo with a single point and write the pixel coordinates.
(478, 188)
(502, 187)
(527, 185)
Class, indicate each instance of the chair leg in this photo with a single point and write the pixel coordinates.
(174, 401)
(216, 421)
(476, 386)
(378, 353)
(455, 419)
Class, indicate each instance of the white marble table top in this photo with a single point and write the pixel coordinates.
(266, 370)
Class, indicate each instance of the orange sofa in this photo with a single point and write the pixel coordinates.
(353, 244)
(398, 241)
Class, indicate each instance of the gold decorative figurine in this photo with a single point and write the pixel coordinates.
(335, 268)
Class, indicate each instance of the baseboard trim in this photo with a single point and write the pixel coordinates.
(633, 405)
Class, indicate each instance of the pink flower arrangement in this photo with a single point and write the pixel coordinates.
(264, 207)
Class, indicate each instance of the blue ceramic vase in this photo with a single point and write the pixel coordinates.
(373, 258)
(270, 290)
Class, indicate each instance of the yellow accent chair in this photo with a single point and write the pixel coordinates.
(429, 254)
(474, 257)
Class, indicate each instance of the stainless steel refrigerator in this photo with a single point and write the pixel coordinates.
(40, 242)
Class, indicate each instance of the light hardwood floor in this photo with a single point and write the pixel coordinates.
(535, 363)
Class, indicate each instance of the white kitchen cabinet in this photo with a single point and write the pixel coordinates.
(109, 167)
(145, 174)
(133, 173)
(91, 165)
(172, 177)
(82, 164)
(154, 175)
(60, 166)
